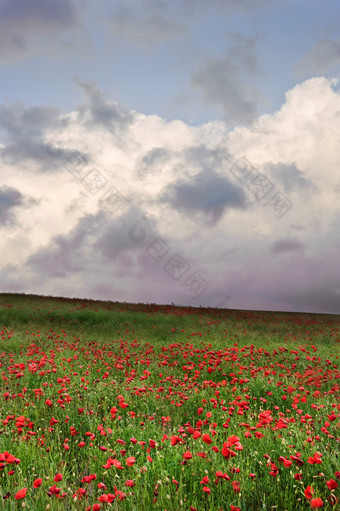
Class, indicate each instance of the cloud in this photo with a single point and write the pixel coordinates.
(21, 122)
(311, 282)
(230, 6)
(23, 23)
(145, 23)
(95, 241)
(285, 245)
(321, 59)
(25, 131)
(99, 111)
(289, 176)
(10, 200)
(206, 194)
(222, 80)
(152, 160)
(178, 176)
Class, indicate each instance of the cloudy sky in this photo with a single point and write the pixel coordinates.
(177, 151)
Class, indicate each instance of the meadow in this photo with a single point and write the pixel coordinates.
(108, 405)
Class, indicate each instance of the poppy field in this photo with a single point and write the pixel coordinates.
(108, 405)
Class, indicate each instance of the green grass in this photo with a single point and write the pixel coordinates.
(166, 363)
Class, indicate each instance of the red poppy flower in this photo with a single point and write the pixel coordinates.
(206, 438)
(236, 486)
(88, 479)
(309, 492)
(207, 490)
(187, 455)
(175, 440)
(37, 483)
(58, 477)
(316, 503)
(287, 463)
(130, 461)
(316, 459)
(227, 453)
(21, 494)
(332, 484)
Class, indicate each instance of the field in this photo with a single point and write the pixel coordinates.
(108, 405)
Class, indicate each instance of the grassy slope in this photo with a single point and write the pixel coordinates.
(105, 323)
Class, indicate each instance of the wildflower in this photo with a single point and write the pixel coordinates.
(130, 461)
(316, 459)
(316, 503)
(37, 483)
(308, 492)
(175, 440)
(187, 455)
(332, 484)
(88, 479)
(21, 494)
(236, 486)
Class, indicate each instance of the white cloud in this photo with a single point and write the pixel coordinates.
(302, 137)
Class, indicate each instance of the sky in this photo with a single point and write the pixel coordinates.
(177, 151)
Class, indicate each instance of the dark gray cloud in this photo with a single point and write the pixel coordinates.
(203, 157)
(313, 284)
(294, 283)
(321, 59)
(145, 22)
(223, 80)
(21, 22)
(207, 195)
(24, 131)
(124, 235)
(286, 245)
(230, 6)
(322, 298)
(101, 112)
(197, 156)
(10, 200)
(96, 241)
(65, 255)
(20, 122)
(10, 281)
(289, 176)
(152, 161)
